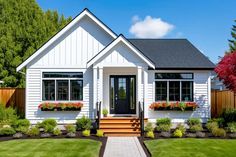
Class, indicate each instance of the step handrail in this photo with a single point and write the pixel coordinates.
(141, 117)
(98, 106)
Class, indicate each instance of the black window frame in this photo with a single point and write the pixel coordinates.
(67, 76)
(172, 79)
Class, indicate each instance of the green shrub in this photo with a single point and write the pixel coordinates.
(220, 121)
(196, 127)
(178, 133)
(57, 132)
(48, 125)
(99, 133)
(150, 134)
(70, 128)
(105, 111)
(211, 125)
(7, 115)
(86, 133)
(148, 127)
(218, 132)
(193, 121)
(231, 127)
(181, 128)
(7, 131)
(84, 123)
(163, 124)
(21, 125)
(34, 131)
(164, 121)
(229, 115)
(163, 127)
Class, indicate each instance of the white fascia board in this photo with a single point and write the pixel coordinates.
(65, 29)
(115, 42)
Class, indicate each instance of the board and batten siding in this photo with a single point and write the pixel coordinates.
(201, 97)
(70, 52)
(75, 48)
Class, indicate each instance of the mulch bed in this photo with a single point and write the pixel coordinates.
(103, 140)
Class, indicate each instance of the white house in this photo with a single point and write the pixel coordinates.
(87, 62)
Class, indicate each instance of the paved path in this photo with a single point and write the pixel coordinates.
(123, 147)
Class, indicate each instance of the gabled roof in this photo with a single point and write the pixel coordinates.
(121, 38)
(173, 54)
(85, 12)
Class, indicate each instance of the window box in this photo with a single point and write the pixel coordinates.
(175, 106)
(61, 106)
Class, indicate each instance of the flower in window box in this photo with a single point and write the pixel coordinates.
(62, 106)
(182, 106)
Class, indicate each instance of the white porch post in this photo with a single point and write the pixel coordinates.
(145, 91)
(139, 84)
(100, 94)
(95, 88)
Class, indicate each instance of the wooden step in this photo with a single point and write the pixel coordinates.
(123, 134)
(118, 125)
(120, 130)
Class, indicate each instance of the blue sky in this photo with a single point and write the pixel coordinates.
(206, 23)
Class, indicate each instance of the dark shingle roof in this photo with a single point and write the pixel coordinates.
(172, 53)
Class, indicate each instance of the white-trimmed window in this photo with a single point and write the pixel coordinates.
(173, 86)
(62, 86)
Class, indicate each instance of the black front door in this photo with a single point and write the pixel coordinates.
(122, 94)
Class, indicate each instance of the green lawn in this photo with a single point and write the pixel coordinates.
(50, 148)
(192, 148)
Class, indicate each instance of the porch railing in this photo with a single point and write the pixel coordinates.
(141, 117)
(98, 106)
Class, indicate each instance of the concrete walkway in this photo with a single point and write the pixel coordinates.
(123, 147)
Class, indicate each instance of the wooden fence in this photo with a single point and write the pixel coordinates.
(221, 100)
(13, 97)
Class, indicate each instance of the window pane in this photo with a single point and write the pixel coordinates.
(62, 90)
(174, 76)
(76, 88)
(112, 93)
(161, 91)
(62, 75)
(187, 91)
(122, 88)
(132, 93)
(174, 91)
(48, 90)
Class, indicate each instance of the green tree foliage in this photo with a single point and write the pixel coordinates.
(232, 43)
(24, 27)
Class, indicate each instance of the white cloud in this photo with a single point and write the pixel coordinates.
(150, 27)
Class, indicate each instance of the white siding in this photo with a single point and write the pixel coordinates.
(34, 98)
(75, 48)
(120, 56)
(201, 94)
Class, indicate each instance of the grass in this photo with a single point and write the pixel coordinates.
(191, 147)
(50, 148)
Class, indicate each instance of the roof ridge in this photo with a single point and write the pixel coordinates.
(157, 39)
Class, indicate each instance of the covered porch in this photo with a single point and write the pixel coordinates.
(120, 89)
(120, 78)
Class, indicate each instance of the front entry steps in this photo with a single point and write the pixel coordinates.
(120, 126)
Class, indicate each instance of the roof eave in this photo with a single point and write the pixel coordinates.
(62, 31)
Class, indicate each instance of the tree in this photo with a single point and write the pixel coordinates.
(226, 70)
(24, 27)
(232, 43)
